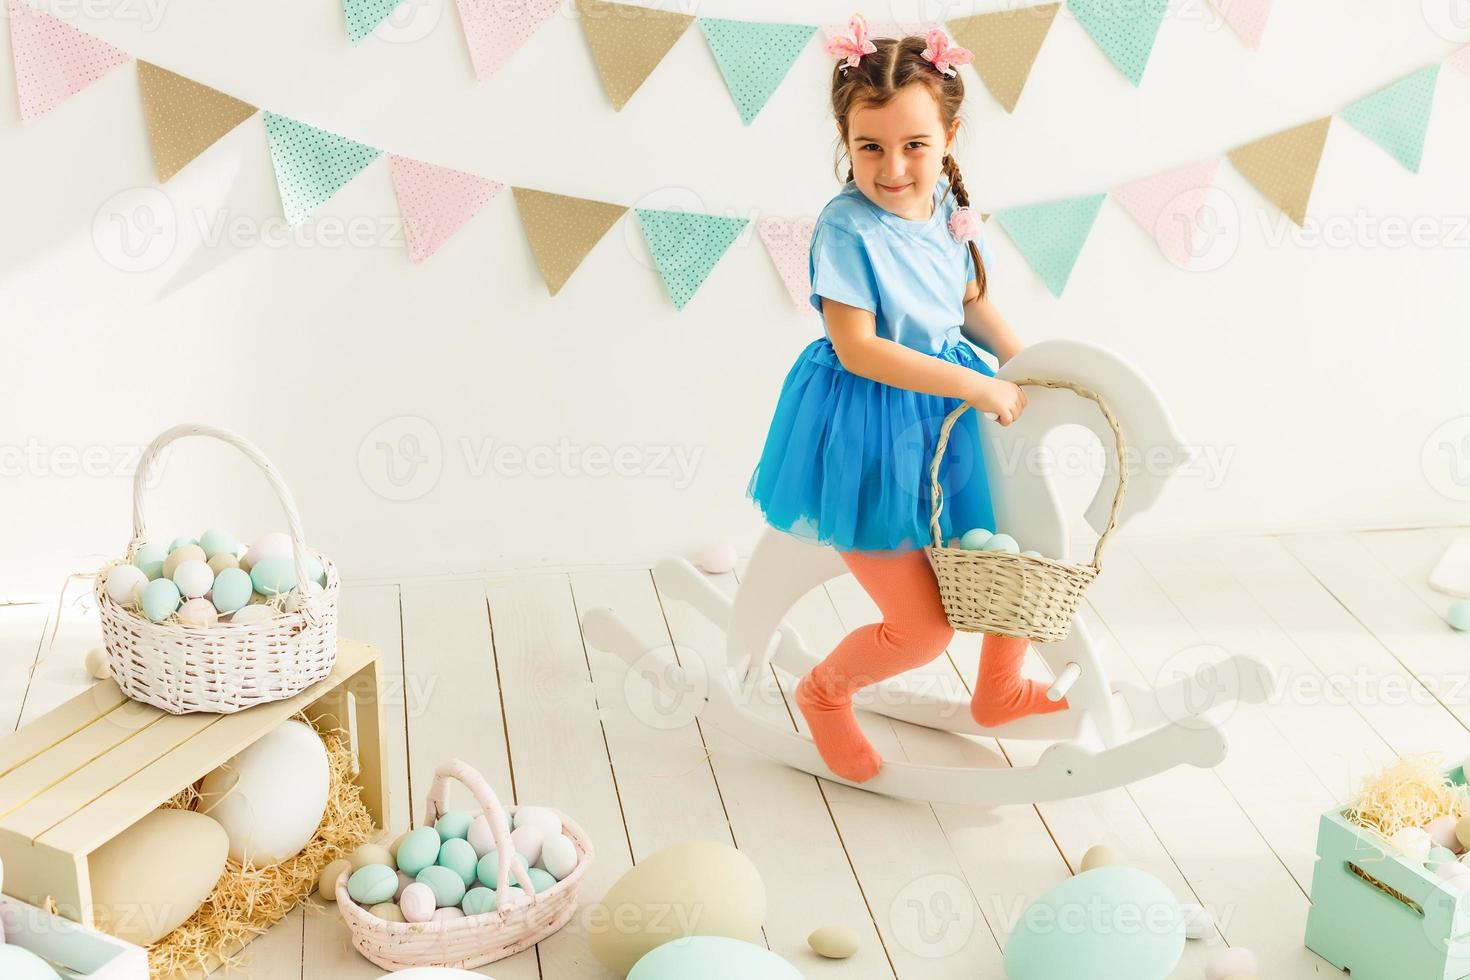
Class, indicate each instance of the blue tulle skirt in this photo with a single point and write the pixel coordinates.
(846, 460)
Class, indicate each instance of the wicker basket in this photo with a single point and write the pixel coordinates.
(1009, 594)
(475, 939)
(229, 666)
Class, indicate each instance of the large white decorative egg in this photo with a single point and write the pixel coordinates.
(271, 797)
(21, 964)
(147, 880)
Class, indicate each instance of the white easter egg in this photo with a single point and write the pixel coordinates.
(193, 578)
(1441, 831)
(417, 902)
(480, 836)
(271, 797)
(147, 880)
(442, 915)
(717, 559)
(538, 816)
(198, 612)
(296, 598)
(1199, 923)
(276, 544)
(1413, 843)
(559, 856)
(258, 613)
(18, 963)
(1237, 960)
(528, 841)
(96, 664)
(124, 583)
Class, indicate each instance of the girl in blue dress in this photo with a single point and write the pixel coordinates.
(900, 281)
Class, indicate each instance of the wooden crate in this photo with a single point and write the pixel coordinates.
(1380, 916)
(75, 778)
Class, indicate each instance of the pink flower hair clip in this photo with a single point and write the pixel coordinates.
(944, 55)
(966, 225)
(852, 45)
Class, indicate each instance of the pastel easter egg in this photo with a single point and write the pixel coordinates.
(372, 883)
(188, 552)
(147, 880)
(1459, 615)
(445, 915)
(370, 854)
(975, 538)
(403, 882)
(1235, 961)
(326, 885)
(217, 541)
(510, 897)
(316, 571)
(19, 963)
(538, 816)
(1033, 554)
(252, 614)
(1199, 922)
(453, 823)
(447, 885)
(219, 563)
(397, 843)
(276, 544)
(488, 869)
(96, 667)
(418, 902)
(271, 795)
(273, 576)
(833, 942)
(541, 879)
(124, 582)
(717, 559)
(712, 958)
(149, 558)
(481, 838)
(478, 901)
(458, 856)
(1001, 542)
(179, 542)
(419, 849)
(528, 841)
(193, 579)
(1099, 856)
(1441, 830)
(388, 912)
(231, 591)
(1440, 855)
(198, 612)
(159, 599)
(559, 856)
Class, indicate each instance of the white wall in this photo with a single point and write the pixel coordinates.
(1316, 371)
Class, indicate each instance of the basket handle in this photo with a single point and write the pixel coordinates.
(436, 805)
(293, 517)
(936, 493)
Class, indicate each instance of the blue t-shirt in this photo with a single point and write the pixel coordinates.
(911, 275)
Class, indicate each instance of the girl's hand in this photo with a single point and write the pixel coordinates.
(1004, 399)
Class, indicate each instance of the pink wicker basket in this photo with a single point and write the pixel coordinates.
(229, 666)
(475, 939)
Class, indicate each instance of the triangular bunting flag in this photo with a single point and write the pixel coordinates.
(1246, 17)
(1167, 206)
(1005, 43)
(53, 60)
(628, 42)
(495, 31)
(1396, 117)
(686, 246)
(1461, 59)
(311, 164)
(435, 201)
(1051, 235)
(1283, 166)
(1125, 32)
(184, 117)
(753, 57)
(562, 230)
(789, 242)
(363, 16)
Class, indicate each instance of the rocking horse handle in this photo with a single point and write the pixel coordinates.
(936, 493)
(436, 806)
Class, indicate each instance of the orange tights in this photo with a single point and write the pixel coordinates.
(913, 632)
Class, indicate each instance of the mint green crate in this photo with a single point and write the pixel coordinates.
(1379, 916)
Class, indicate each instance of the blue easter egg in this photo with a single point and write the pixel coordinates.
(231, 591)
(217, 542)
(540, 880)
(1001, 542)
(179, 542)
(975, 538)
(1459, 615)
(488, 870)
(159, 599)
(454, 824)
(458, 856)
(478, 901)
(712, 958)
(418, 850)
(515, 894)
(273, 576)
(447, 885)
(1110, 923)
(149, 557)
(372, 883)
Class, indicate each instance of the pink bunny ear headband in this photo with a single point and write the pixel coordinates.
(940, 52)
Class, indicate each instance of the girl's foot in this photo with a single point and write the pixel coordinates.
(834, 728)
(992, 707)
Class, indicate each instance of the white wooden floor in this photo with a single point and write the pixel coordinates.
(496, 672)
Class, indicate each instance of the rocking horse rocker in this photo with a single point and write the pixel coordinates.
(1109, 735)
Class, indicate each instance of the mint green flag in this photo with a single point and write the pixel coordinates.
(311, 164)
(1125, 31)
(1051, 235)
(1397, 116)
(754, 57)
(686, 246)
(363, 16)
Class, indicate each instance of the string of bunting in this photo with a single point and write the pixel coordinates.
(54, 61)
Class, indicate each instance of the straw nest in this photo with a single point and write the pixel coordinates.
(249, 900)
(1409, 792)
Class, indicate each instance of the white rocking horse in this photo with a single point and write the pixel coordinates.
(1111, 734)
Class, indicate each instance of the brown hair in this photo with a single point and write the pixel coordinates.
(877, 79)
